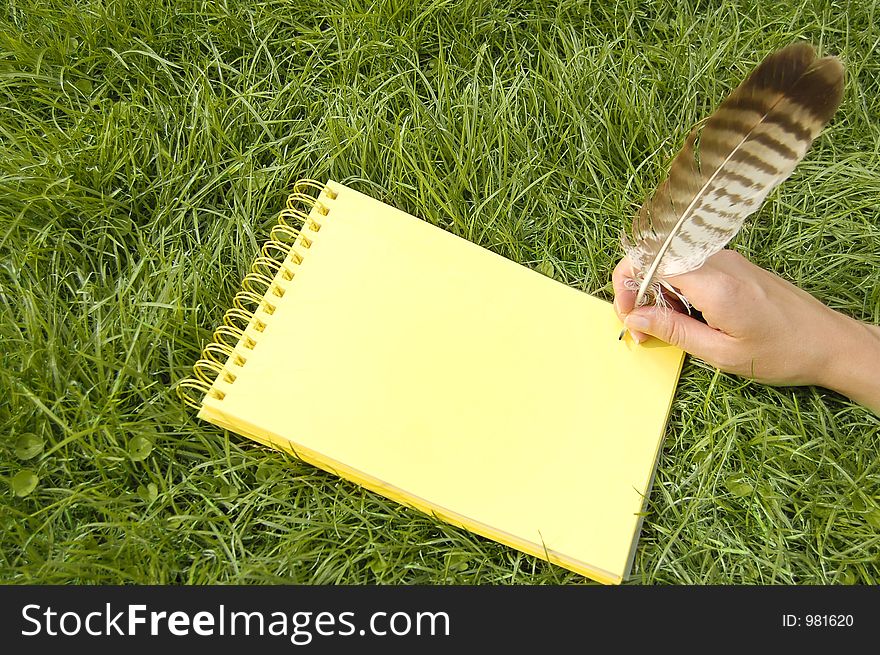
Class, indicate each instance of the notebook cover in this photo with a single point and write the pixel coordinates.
(450, 379)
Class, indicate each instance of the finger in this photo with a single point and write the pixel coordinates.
(680, 330)
(624, 299)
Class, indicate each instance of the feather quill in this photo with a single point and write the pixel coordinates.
(723, 173)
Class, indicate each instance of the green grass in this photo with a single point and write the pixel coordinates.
(146, 147)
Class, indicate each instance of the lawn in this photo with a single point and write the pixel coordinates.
(146, 147)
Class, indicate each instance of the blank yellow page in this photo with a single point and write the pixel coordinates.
(454, 380)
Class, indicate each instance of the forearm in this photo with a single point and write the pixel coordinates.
(855, 371)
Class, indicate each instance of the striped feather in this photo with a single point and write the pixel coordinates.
(723, 173)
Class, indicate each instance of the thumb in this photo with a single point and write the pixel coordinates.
(677, 329)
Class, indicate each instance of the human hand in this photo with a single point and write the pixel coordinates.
(760, 326)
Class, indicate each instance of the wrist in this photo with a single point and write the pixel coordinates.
(853, 368)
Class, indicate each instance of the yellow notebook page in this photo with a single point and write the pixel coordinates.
(451, 379)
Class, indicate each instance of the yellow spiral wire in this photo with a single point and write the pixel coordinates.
(276, 259)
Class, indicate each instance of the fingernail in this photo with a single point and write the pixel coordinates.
(636, 322)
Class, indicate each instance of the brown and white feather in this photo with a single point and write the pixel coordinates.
(724, 172)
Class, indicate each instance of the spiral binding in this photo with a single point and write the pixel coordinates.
(260, 290)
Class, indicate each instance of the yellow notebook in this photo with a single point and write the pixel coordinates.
(441, 375)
